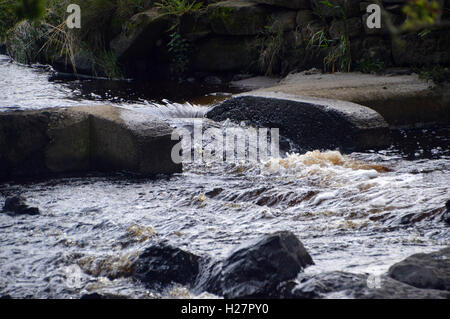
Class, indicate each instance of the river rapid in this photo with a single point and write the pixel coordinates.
(360, 212)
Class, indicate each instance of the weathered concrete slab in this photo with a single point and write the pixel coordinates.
(402, 100)
(78, 139)
(311, 123)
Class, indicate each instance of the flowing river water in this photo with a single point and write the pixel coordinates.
(360, 212)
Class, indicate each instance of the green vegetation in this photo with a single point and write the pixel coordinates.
(178, 47)
(338, 56)
(271, 50)
(221, 13)
(435, 73)
(30, 9)
(420, 14)
(178, 50)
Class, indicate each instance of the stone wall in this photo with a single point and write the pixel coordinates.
(272, 36)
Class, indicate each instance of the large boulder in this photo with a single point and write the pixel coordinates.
(308, 122)
(140, 34)
(427, 271)
(79, 139)
(353, 25)
(255, 269)
(292, 4)
(163, 264)
(224, 54)
(235, 17)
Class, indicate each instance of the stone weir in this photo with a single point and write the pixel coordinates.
(80, 139)
(309, 122)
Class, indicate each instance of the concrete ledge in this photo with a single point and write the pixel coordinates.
(79, 139)
(311, 123)
(402, 100)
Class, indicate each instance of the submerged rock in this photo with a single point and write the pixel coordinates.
(163, 264)
(17, 205)
(256, 269)
(429, 271)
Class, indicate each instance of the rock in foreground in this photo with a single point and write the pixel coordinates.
(427, 271)
(256, 269)
(338, 285)
(163, 264)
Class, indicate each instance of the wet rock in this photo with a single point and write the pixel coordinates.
(236, 17)
(292, 4)
(2, 48)
(309, 123)
(17, 205)
(338, 284)
(96, 296)
(254, 270)
(429, 271)
(163, 264)
(446, 216)
(80, 139)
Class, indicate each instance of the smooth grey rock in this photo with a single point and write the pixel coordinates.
(429, 271)
(344, 285)
(308, 122)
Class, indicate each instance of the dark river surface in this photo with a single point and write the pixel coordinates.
(359, 212)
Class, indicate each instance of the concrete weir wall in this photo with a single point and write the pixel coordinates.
(79, 139)
(309, 122)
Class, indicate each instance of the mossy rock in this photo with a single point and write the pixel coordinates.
(140, 33)
(236, 17)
